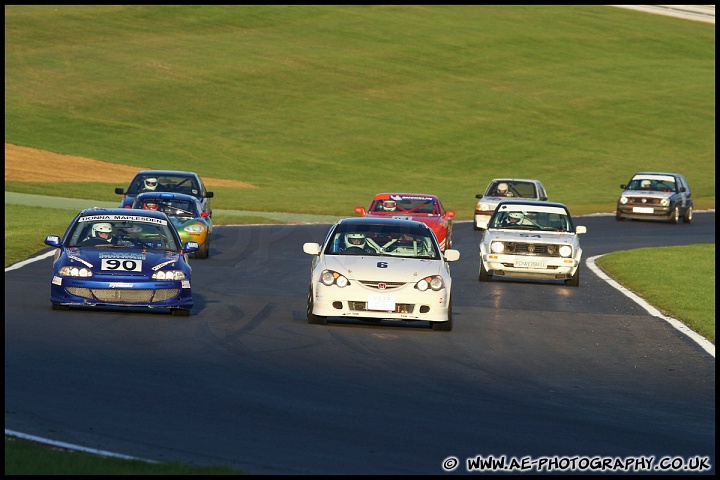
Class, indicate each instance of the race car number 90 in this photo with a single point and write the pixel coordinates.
(127, 265)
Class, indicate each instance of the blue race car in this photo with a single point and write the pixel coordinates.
(116, 257)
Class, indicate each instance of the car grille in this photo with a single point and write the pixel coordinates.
(387, 285)
(399, 307)
(550, 250)
(114, 295)
(643, 201)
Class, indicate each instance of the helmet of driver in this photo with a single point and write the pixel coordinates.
(355, 239)
(502, 188)
(515, 215)
(389, 205)
(150, 205)
(101, 227)
(151, 183)
(645, 184)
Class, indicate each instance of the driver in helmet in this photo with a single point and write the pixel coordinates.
(150, 184)
(512, 218)
(356, 241)
(150, 205)
(502, 190)
(100, 234)
(389, 205)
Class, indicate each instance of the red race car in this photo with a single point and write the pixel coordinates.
(414, 206)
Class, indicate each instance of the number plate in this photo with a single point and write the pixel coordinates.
(643, 210)
(381, 302)
(529, 264)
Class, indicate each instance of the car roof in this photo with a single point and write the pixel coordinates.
(397, 222)
(658, 173)
(396, 194)
(122, 211)
(167, 172)
(536, 203)
(166, 196)
(503, 179)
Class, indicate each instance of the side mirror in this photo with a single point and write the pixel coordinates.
(450, 214)
(53, 241)
(360, 211)
(479, 195)
(451, 254)
(204, 214)
(580, 229)
(119, 191)
(623, 186)
(209, 194)
(311, 248)
(191, 247)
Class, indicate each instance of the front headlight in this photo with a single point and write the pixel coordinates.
(434, 282)
(328, 277)
(69, 271)
(484, 207)
(623, 200)
(665, 202)
(497, 247)
(565, 251)
(194, 229)
(169, 275)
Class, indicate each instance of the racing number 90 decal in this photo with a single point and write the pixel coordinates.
(122, 264)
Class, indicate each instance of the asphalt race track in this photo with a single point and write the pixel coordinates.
(531, 369)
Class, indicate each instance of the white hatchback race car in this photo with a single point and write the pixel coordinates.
(531, 240)
(374, 269)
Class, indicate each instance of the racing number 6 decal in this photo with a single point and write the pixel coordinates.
(128, 265)
(382, 264)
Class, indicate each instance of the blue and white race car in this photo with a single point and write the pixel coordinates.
(120, 257)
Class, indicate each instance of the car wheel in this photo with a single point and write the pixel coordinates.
(57, 306)
(619, 217)
(484, 275)
(575, 280)
(180, 312)
(687, 218)
(311, 317)
(675, 216)
(445, 326)
(204, 251)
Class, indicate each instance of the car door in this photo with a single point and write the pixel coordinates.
(684, 192)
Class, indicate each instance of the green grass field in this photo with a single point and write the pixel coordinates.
(321, 107)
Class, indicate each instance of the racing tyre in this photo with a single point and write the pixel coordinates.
(444, 326)
(687, 218)
(57, 306)
(180, 312)
(575, 280)
(675, 216)
(484, 275)
(311, 317)
(619, 217)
